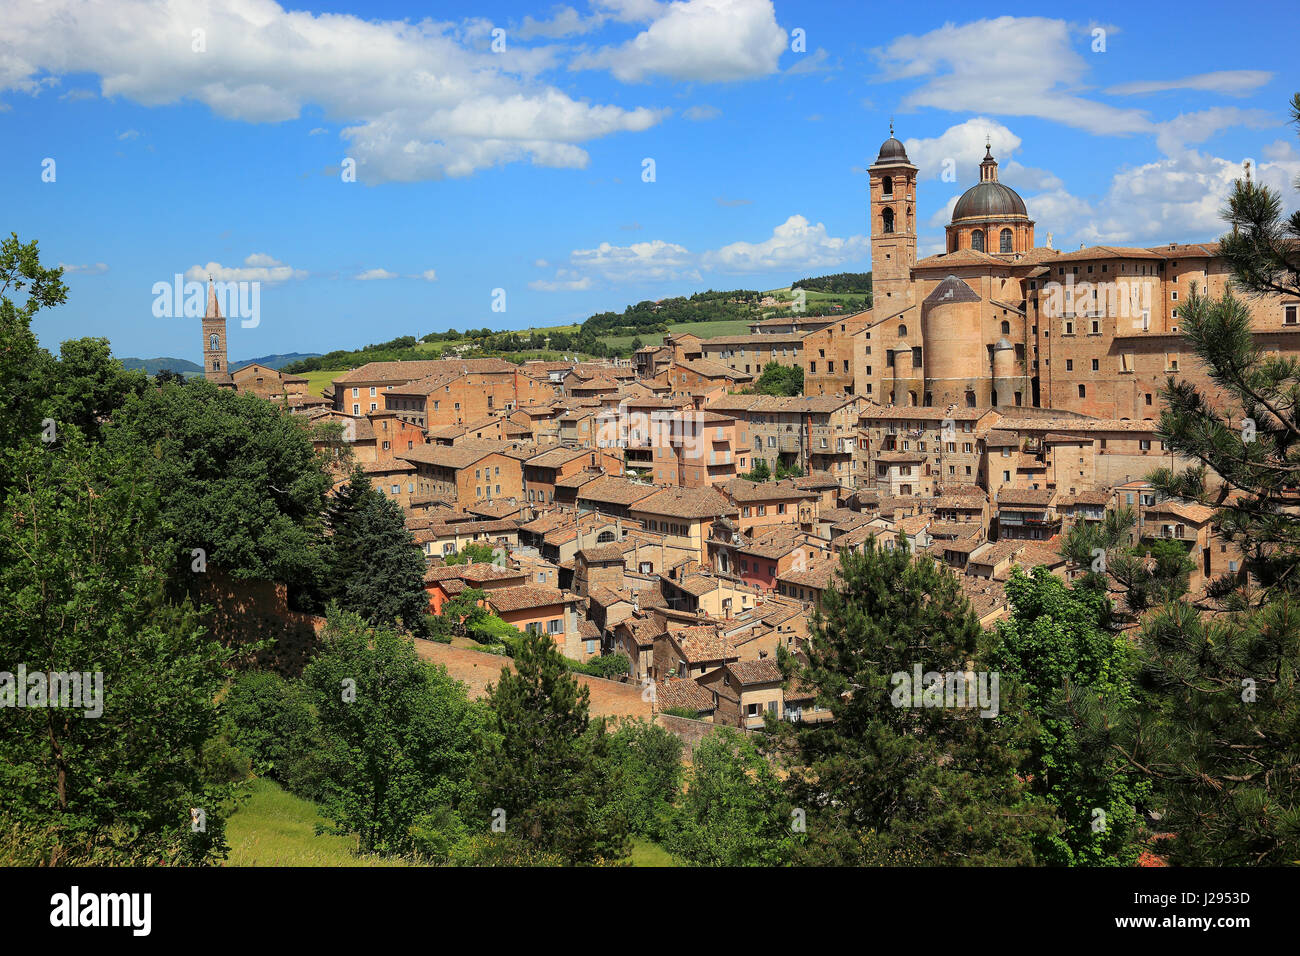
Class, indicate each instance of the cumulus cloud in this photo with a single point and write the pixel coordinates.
(709, 41)
(959, 149)
(1229, 82)
(795, 244)
(422, 100)
(1038, 72)
(259, 267)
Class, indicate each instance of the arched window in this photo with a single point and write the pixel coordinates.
(888, 218)
(1004, 240)
(970, 398)
(887, 186)
(911, 398)
(212, 342)
(1006, 328)
(902, 331)
(977, 240)
(605, 537)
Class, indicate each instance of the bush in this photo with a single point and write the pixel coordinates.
(269, 720)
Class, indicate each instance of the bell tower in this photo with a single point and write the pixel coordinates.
(893, 226)
(214, 340)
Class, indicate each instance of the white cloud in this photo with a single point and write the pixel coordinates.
(960, 149)
(794, 245)
(372, 274)
(564, 22)
(1035, 70)
(318, 131)
(563, 283)
(259, 267)
(429, 275)
(76, 95)
(423, 100)
(94, 269)
(1230, 82)
(701, 40)
(1191, 128)
(128, 134)
(701, 113)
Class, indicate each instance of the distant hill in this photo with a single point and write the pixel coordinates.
(275, 361)
(152, 366)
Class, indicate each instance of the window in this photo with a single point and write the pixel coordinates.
(1083, 391)
(1126, 361)
(213, 346)
(887, 219)
(1096, 365)
(372, 391)
(1006, 328)
(1069, 365)
(1291, 315)
(1069, 328)
(902, 331)
(887, 186)
(977, 240)
(1004, 241)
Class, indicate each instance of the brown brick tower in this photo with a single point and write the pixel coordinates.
(214, 341)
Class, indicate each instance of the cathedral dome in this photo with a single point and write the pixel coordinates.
(989, 200)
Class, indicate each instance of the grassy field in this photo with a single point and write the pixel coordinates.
(275, 828)
(318, 380)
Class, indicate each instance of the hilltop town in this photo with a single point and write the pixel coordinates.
(994, 397)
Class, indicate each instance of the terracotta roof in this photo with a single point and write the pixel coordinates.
(525, 597)
(1035, 497)
(557, 457)
(477, 571)
(739, 489)
(1196, 514)
(685, 503)
(683, 692)
(454, 456)
(755, 672)
(601, 553)
(702, 643)
(615, 491)
(412, 371)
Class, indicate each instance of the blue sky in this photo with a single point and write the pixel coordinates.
(522, 169)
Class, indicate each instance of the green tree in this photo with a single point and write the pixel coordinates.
(475, 554)
(376, 568)
(1077, 679)
(760, 471)
(23, 363)
(397, 735)
(886, 779)
(81, 591)
(646, 765)
(239, 479)
(1217, 725)
(778, 379)
(734, 812)
(87, 385)
(544, 767)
